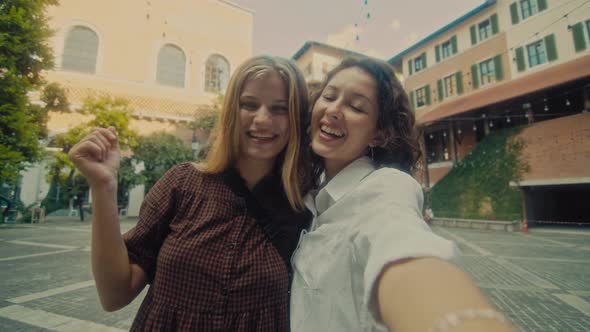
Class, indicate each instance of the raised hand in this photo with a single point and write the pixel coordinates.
(97, 156)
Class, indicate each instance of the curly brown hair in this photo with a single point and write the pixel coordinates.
(396, 118)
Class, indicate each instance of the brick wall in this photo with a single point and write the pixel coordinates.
(558, 149)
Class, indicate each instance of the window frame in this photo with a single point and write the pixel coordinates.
(161, 80)
(533, 8)
(67, 58)
(489, 75)
(217, 85)
(446, 49)
(539, 46)
(450, 80)
(587, 23)
(418, 65)
(487, 29)
(420, 95)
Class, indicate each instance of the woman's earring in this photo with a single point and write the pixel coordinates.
(372, 154)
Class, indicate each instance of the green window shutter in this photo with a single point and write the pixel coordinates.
(495, 27)
(578, 34)
(437, 53)
(459, 78)
(427, 94)
(498, 67)
(551, 47)
(474, 77)
(454, 44)
(520, 65)
(412, 101)
(514, 12)
(542, 5)
(473, 35)
(424, 65)
(410, 67)
(439, 87)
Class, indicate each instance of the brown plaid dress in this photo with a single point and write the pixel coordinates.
(210, 264)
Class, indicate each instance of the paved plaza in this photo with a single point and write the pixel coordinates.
(540, 280)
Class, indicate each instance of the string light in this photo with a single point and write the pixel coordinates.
(431, 136)
(508, 119)
(474, 128)
(567, 102)
(491, 124)
(444, 134)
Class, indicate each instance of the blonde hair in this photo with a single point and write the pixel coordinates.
(225, 147)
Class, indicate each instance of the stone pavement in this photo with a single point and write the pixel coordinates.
(540, 280)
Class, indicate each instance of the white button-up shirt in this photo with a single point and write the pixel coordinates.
(363, 220)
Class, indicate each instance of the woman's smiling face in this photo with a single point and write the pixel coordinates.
(344, 118)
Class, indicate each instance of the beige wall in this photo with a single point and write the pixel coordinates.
(460, 62)
(549, 21)
(131, 34)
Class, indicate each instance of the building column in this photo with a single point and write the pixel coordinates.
(452, 143)
(425, 175)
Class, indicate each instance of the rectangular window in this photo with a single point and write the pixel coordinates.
(418, 64)
(528, 8)
(421, 97)
(536, 53)
(450, 85)
(487, 72)
(485, 29)
(447, 49)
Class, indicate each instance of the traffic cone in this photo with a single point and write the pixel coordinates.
(525, 226)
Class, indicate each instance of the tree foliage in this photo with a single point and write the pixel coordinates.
(65, 181)
(159, 152)
(478, 187)
(24, 54)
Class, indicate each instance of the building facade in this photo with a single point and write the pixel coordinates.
(316, 59)
(504, 64)
(170, 59)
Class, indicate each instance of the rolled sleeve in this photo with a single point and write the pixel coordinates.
(395, 230)
(145, 239)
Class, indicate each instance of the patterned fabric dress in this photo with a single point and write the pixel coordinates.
(206, 244)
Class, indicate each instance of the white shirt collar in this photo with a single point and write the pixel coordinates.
(345, 181)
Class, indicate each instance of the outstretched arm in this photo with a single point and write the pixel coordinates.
(414, 294)
(117, 280)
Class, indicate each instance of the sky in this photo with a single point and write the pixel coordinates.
(281, 27)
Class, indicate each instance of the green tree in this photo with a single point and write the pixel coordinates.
(24, 54)
(66, 182)
(159, 152)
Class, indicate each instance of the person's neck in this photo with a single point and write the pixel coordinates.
(252, 171)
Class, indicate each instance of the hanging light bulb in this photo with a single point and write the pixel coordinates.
(444, 134)
(431, 136)
(483, 115)
(546, 108)
(567, 102)
(474, 128)
(491, 124)
(508, 119)
(459, 131)
(526, 115)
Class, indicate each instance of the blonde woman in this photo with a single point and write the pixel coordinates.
(213, 240)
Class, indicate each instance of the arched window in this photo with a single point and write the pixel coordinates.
(171, 66)
(216, 74)
(80, 50)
